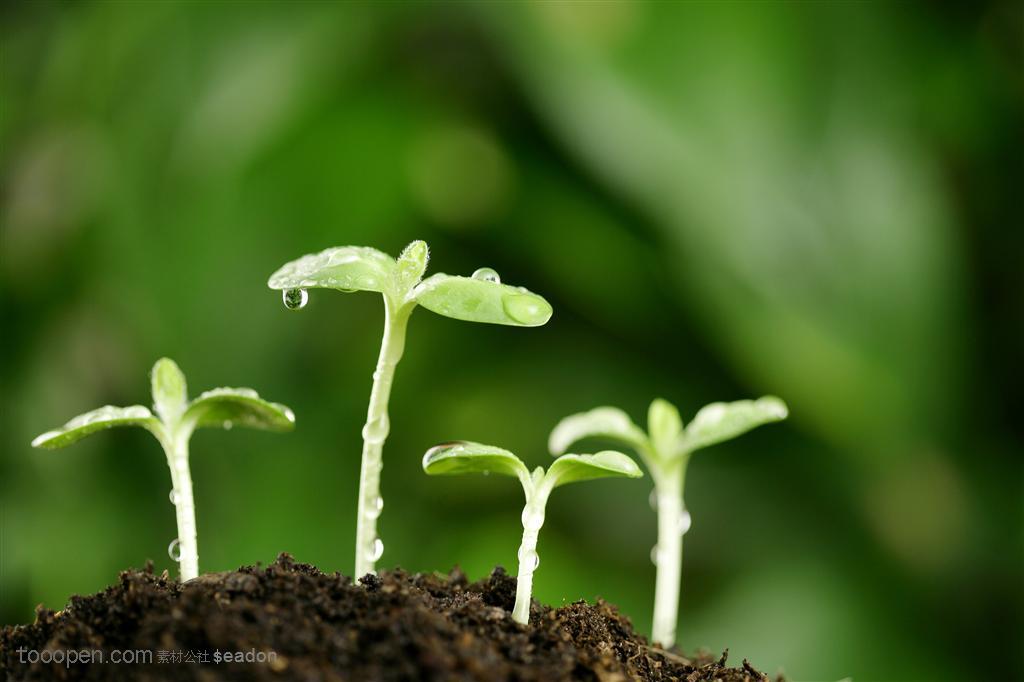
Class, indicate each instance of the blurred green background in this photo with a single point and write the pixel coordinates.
(721, 200)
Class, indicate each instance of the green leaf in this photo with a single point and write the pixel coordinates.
(170, 391)
(605, 464)
(481, 300)
(664, 426)
(413, 263)
(465, 457)
(227, 407)
(721, 421)
(600, 422)
(346, 268)
(102, 418)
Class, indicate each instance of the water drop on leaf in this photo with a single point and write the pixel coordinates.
(526, 308)
(294, 299)
(487, 275)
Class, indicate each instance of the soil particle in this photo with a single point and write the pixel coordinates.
(305, 625)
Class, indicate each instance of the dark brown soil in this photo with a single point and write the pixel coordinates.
(321, 627)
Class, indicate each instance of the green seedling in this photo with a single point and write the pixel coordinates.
(479, 298)
(666, 450)
(172, 425)
(464, 457)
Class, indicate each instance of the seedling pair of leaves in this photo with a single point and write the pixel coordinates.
(666, 448)
(465, 457)
(175, 420)
(479, 298)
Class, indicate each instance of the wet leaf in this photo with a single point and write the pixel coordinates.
(605, 464)
(465, 457)
(601, 422)
(227, 407)
(481, 300)
(99, 419)
(717, 422)
(345, 268)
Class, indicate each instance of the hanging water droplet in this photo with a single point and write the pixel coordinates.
(684, 522)
(652, 499)
(227, 425)
(376, 507)
(528, 557)
(376, 430)
(656, 555)
(295, 298)
(376, 551)
(174, 549)
(487, 275)
(173, 496)
(532, 519)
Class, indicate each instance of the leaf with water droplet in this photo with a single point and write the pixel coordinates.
(487, 275)
(609, 423)
(99, 419)
(604, 464)
(170, 390)
(717, 422)
(345, 268)
(238, 406)
(481, 300)
(464, 457)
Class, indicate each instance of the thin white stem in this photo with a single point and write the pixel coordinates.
(533, 519)
(375, 432)
(668, 555)
(184, 504)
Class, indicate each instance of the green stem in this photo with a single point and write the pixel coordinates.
(668, 554)
(375, 432)
(184, 505)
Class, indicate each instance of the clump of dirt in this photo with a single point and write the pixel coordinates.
(289, 621)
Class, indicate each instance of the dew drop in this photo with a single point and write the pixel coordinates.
(652, 499)
(656, 555)
(375, 508)
(173, 496)
(227, 425)
(375, 552)
(487, 275)
(376, 430)
(295, 299)
(532, 519)
(524, 558)
(526, 309)
(684, 522)
(174, 549)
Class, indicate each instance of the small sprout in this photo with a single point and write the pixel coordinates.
(175, 420)
(480, 298)
(666, 450)
(464, 457)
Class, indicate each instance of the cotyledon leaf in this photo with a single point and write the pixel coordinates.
(99, 419)
(346, 268)
(238, 406)
(600, 422)
(466, 457)
(717, 422)
(604, 464)
(664, 426)
(481, 300)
